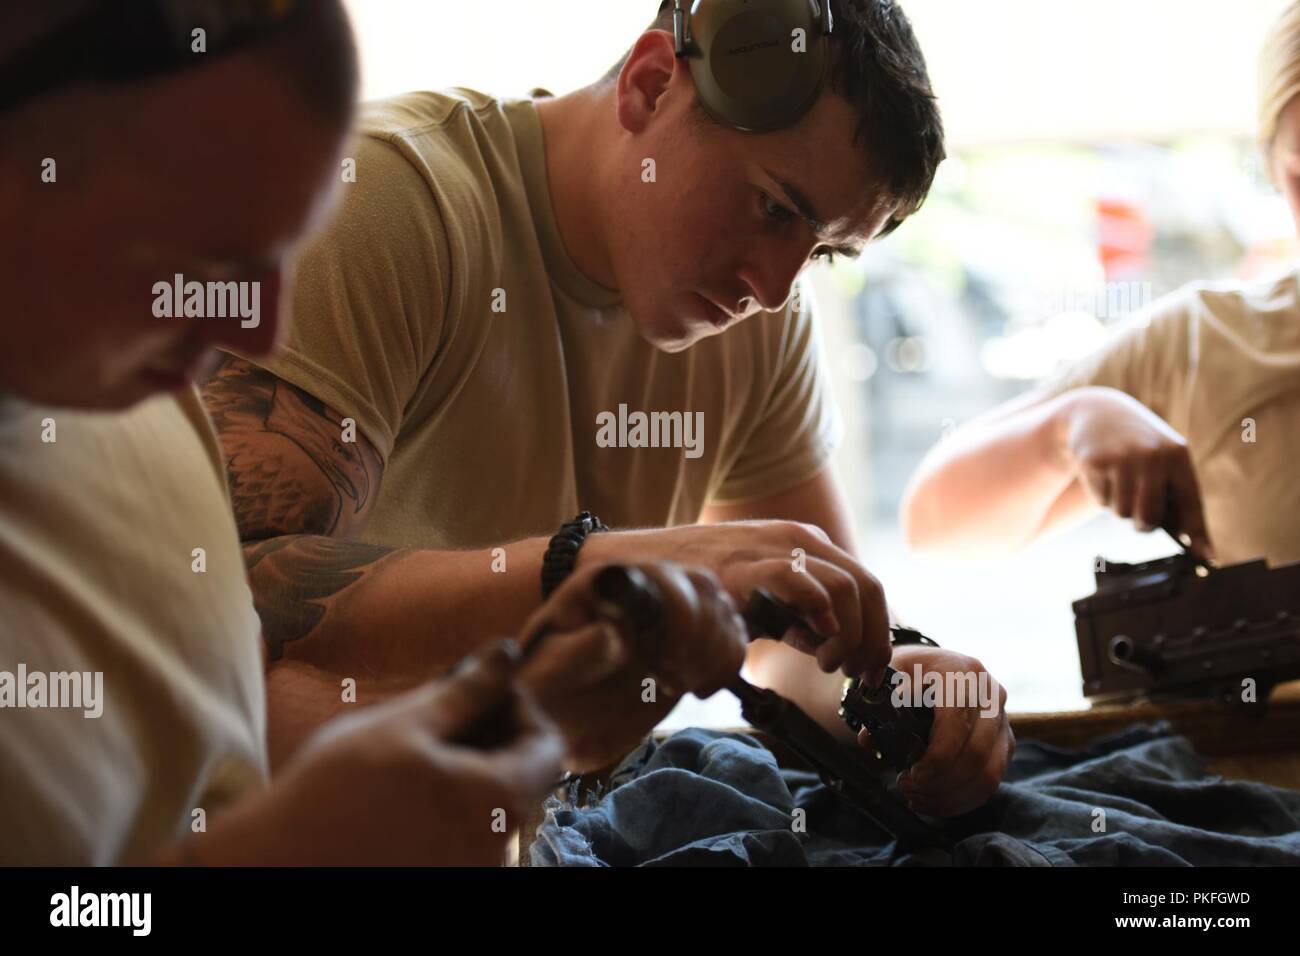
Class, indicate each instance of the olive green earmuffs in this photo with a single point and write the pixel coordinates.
(758, 65)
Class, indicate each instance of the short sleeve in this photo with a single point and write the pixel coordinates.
(800, 427)
(370, 296)
(1147, 358)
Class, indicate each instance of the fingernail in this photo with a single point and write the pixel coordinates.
(612, 650)
(470, 661)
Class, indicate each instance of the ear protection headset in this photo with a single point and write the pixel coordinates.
(124, 40)
(751, 67)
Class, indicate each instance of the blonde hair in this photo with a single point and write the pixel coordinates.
(1279, 71)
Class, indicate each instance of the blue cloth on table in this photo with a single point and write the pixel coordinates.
(707, 798)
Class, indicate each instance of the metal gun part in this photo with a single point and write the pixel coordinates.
(627, 595)
(900, 734)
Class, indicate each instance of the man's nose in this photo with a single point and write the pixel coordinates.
(771, 275)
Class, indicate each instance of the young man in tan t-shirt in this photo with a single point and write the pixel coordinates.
(499, 328)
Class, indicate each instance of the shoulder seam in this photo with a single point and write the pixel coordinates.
(391, 136)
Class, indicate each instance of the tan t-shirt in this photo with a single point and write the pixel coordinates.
(488, 420)
(97, 574)
(1220, 362)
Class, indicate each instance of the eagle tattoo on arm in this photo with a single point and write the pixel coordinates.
(290, 470)
(298, 491)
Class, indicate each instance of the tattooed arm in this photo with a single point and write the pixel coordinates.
(289, 468)
(332, 606)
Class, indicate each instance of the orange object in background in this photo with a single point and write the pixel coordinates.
(1124, 236)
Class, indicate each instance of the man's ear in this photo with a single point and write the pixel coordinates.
(646, 78)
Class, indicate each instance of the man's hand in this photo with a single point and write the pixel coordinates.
(970, 745)
(607, 686)
(1133, 463)
(396, 784)
(796, 562)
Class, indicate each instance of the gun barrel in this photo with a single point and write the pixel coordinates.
(849, 774)
(625, 593)
(1173, 628)
(1126, 652)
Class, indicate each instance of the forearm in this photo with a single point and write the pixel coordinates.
(387, 615)
(243, 836)
(276, 826)
(300, 698)
(303, 484)
(996, 484)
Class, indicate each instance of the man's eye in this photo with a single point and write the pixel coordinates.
(826, 255)
(774, 210)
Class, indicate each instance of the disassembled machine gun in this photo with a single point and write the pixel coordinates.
(626, 594)
(1175, 627)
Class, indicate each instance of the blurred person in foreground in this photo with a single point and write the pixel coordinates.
(133, 701)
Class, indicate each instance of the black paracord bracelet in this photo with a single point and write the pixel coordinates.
(562, 552)
(899, 635)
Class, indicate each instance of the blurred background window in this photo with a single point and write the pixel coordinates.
(1101, 156)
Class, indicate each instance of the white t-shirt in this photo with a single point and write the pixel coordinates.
(1220, 362)
(98, 531)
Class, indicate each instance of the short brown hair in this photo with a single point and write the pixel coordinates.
(877, 65)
